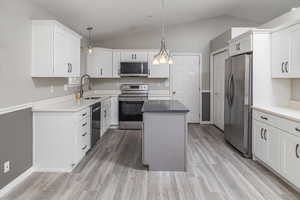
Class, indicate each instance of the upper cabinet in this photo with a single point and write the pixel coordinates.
(242, 44)
(55, 50)
(157, 71)
(285, 49)
(134, 56)
(100, 62)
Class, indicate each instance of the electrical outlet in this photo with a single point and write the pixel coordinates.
(65, 87)
(52, 89)
(6, 167)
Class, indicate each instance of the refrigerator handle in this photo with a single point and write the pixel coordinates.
(230, 90)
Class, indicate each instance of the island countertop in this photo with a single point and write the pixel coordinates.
(164, 106)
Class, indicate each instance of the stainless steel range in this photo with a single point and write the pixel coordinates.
(131, 101)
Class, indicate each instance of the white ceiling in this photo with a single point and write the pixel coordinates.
(116, 17)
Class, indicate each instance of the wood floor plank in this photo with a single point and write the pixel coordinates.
(113, 171)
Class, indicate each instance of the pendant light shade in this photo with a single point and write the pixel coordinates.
(90, 46)
(163, 56)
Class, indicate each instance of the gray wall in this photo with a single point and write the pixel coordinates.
(16, 85)
(15, 144)
(188, 37)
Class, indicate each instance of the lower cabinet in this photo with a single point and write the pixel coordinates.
(276, 146)
(105, 115)
(266, 144)
(114, 111)
(290, 157)
(61, 139)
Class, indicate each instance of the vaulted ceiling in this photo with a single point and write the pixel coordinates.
(114, 17)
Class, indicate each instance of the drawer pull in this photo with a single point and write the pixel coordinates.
(264, 118)
(84, 134)
(297, 129)
(83, 115)
(83, 148)
(297, 147)
(84, 124)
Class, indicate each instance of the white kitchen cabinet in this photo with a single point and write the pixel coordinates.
(105, 115)
(241, 44)
(276, 142)
(55, 50)
(114, 111)
(290, 157)
(61, 139)
(157, 71)
(134, 56)
(116, 64)
(260, 144)
(100, 63)
(285, 49)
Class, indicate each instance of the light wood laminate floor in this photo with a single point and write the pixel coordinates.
(113, 170)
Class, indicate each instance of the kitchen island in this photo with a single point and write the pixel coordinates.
(164, 135)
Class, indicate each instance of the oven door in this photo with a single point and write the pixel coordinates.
(134, 69)
(130, 113)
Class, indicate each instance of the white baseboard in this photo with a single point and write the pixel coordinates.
(16, 182)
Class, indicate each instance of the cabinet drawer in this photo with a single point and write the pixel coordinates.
(281, 123)
(84, 137)
(84, 114)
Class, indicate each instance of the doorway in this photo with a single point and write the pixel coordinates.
(186, 84)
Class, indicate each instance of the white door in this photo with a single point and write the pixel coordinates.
(186, 84)
(218, 87)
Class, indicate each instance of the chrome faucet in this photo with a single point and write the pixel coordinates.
(82, 83)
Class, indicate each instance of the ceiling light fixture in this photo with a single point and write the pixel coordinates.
(90, 45)
(163, 55)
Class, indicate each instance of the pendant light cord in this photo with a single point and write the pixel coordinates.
(163, 16)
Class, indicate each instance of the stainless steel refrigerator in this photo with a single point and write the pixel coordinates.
(238, 103)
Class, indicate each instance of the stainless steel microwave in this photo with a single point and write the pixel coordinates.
(132, 69)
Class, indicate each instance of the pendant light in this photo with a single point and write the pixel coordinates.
(163, 56)
(90, 46)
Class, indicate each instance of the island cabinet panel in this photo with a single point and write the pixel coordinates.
(164, 141)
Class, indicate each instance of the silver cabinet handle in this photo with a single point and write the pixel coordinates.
(286, 67)
(83, 115)
(101, 71)
(71, 67)
(238, 46)
(297, 129)
(84, 124)
(261, 133)
(265, 134)
(84, 134)
(296, 151)
(83, 148)
(264, 118)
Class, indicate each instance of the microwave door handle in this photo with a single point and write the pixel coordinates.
(142, 68)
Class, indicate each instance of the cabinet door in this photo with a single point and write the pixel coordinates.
(134, 57)
(103, 121)
(116, 64)
(114, 111)
(99, 63)
(280, 54)
(260, 144)
(61, 54)
(74, 56)
(290, 157)
(272, 137)
(157, 71)
(294, 64)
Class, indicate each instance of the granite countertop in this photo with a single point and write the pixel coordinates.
(164, 106)
(67, 105)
